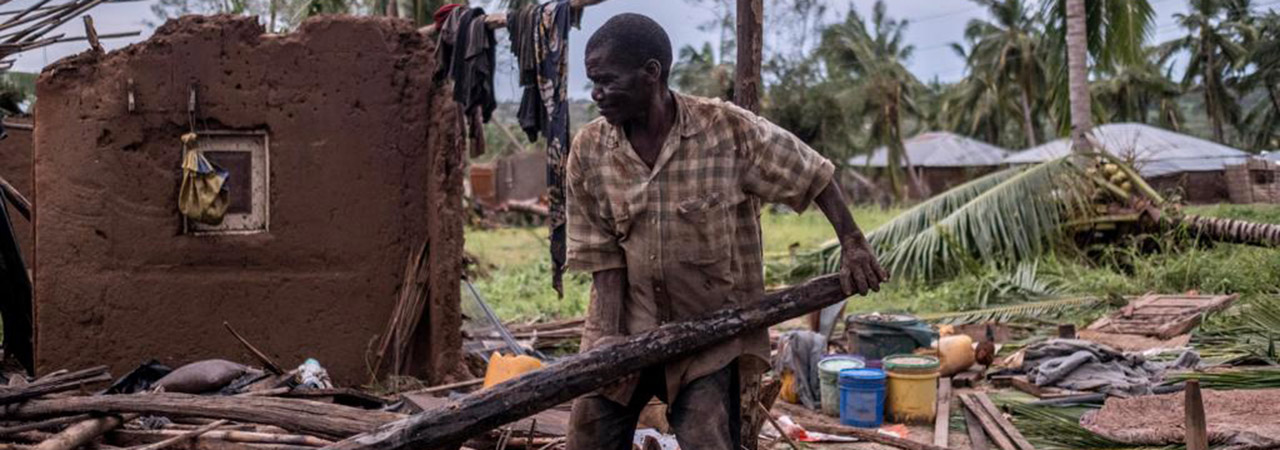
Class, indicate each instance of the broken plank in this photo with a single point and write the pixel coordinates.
(324, 419)
(988, 423)
(942, 420)
(582, 373)
(977, 438)
(1022, 384)
(1016, 436)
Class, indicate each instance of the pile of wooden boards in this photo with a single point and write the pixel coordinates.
(59, 412)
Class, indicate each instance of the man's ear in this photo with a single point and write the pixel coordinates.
(653, 70)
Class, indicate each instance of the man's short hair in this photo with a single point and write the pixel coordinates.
(634, 39)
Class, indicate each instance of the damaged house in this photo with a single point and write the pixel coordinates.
(336, 146)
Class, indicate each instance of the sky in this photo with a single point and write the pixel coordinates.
(934, 25)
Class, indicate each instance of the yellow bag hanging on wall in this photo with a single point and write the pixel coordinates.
(203, 196)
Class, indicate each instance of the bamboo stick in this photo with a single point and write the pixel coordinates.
(183, 437)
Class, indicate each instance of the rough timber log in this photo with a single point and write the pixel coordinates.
(579, 374)
(322, 419)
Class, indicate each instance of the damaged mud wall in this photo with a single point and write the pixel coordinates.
(358, 176)
(15, 167)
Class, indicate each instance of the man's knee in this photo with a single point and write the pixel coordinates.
(596, 422)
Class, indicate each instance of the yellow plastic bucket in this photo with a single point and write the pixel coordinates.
(912, 388)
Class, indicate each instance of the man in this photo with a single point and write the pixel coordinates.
(664, 195)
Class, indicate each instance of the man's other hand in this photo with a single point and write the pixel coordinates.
(860, 271)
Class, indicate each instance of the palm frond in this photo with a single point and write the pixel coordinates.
(1010, 221)
(1047, 308)
(1059, 428)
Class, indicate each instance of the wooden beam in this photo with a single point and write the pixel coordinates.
(1197, 428)
(323, 419)
(582, 373)
(942, 420)
(746, 85)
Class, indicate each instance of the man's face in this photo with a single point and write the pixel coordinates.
(620, 90)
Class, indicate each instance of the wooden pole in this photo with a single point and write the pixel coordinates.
(19, 201)
(781, 432)
(1197, 428)
(83, 432)
(746, 86)
(582, 373)
(499, 20)
(190, 435)
(271, 366)
(92, 34)
(746, 93)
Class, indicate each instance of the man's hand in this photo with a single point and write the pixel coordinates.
(860, 271)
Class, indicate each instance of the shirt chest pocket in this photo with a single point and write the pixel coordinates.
(704, 231)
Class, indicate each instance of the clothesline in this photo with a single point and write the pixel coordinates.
(499, 20)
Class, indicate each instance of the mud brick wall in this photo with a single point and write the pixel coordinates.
(1195, 187)
(362, 170)
(15, 167)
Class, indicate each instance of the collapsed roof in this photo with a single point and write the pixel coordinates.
(938, 149)
(1153, 151)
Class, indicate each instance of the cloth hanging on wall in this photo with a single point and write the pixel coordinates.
(203, 196)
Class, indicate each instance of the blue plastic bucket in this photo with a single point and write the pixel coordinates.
(862, 396)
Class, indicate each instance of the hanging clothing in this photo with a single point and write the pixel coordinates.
(466, 54)
(552, 46)
(523, 25)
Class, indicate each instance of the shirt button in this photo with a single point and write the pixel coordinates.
(653, 257)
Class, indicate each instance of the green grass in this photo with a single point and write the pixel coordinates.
(1262, 213)
(514, 274)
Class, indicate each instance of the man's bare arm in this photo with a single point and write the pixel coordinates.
(860, 271)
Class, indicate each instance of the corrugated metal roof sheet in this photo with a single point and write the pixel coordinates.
(1154, 151)
(939, 149)
(1273, 155)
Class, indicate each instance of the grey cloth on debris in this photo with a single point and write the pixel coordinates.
(800, 352)
(1087, 366)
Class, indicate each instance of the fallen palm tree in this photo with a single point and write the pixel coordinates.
(1018, 214)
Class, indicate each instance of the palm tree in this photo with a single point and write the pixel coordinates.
(868, 64)
(1130, 92)
(1214, 54)
(697, 72)
(1264, 117)
(1109, 31)
(1008, 49)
